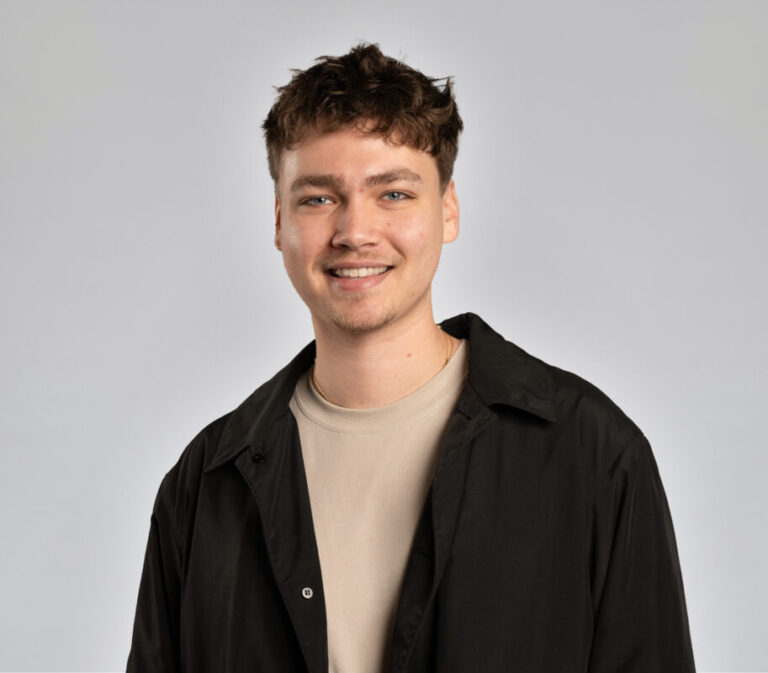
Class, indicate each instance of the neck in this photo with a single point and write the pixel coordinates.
(362, 371)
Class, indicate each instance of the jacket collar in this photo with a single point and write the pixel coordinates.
(499, 372)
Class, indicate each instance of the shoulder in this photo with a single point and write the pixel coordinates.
(223, 439)
(592, 419)
(178, 489)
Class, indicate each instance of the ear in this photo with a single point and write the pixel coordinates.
(278, 245)
(450, 213)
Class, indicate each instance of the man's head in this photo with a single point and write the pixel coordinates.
(361, 149)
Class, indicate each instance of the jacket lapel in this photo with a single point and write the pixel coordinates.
(275, 474)
(434, 534)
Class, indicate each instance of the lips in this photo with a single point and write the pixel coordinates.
(346, 278)
(358, 272)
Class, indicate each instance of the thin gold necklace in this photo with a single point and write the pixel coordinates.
(448, 355)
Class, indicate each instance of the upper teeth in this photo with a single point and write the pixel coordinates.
(359, 272)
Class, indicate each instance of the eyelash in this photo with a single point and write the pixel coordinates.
(312, 198)
(402, 194)
(403, 197)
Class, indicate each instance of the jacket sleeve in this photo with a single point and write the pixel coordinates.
(155, 643)
(639, 613)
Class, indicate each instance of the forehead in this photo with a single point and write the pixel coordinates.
(354, 156)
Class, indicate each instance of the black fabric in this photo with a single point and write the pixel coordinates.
(545, 544)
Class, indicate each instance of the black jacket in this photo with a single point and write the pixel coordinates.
(545, 544)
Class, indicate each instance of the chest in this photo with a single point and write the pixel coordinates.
(498, 558)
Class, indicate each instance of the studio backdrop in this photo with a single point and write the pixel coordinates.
(612, 186)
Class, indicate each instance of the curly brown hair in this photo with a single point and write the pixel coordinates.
(373, 93)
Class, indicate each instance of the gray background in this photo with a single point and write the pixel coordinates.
(612, 186)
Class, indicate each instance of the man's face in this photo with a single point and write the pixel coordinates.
(361, 222)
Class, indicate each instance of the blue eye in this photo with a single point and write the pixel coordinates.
(396, 196)
(316, 201)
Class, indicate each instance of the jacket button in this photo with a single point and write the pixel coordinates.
(257, 457)
(307, 592)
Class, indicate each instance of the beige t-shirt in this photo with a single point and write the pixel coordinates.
(368, 472)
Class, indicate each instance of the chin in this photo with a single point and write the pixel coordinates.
(360, 322)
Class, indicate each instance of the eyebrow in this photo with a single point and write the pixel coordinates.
(392, 176)
(331, 181)
(326, 180)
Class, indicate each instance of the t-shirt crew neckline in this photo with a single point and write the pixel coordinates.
(365, 421)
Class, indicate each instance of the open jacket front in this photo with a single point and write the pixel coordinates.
(545, 544)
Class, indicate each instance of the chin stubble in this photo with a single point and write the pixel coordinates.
(361, 324)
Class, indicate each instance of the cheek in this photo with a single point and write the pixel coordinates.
(295, 260)
(424, 240)
(418, 232)
(422, 250)
(299, 246)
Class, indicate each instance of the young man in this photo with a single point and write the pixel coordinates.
(403, 496)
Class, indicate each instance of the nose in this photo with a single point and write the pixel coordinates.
(357, 225)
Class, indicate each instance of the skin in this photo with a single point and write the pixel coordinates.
(351, 198)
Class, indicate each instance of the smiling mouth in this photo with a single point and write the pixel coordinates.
(359, 272)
